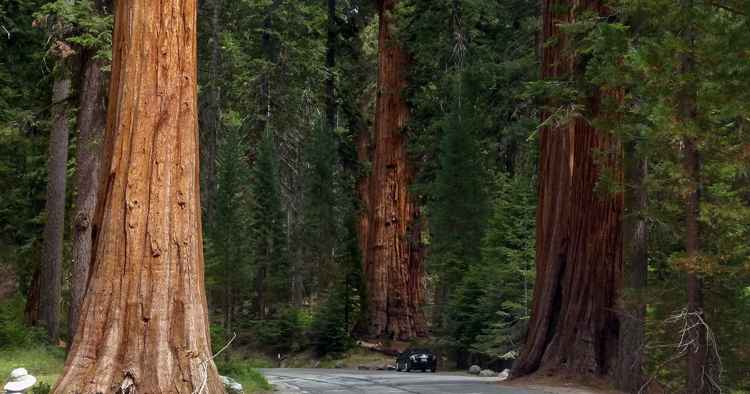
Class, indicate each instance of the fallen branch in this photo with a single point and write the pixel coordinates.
(204, 365)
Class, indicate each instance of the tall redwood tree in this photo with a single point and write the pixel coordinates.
(389, 226)
(574, 327)
(144, 325)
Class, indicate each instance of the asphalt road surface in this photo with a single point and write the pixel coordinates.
(341, 381)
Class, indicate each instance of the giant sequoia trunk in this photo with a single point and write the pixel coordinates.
(389, 227)
(91, 122)
(574, 327)
(144, 325)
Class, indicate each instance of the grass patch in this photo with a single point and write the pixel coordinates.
(245, 372)
(45, 363)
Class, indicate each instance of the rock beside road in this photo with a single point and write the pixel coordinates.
(475, 370)
(231, 385)
(487, 373)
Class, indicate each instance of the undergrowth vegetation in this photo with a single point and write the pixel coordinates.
(25, 347)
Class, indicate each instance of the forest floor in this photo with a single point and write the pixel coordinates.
(560, 385)
(46, 364)
(354, 358)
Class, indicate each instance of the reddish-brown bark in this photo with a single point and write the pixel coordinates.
(574, 326)
(389, 233)
(144, 324)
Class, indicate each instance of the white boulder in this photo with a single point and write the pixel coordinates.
(231, 385)
(487, 373)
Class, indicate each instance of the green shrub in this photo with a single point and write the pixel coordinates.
(284, 333)
(41, 388)
(13, 332)
(329, 331)
(219, 337)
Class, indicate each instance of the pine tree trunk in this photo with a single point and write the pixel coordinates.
(389, 231)
(331, 107)
(144, 323)
(630, 374)
(697, 353)
(210, 120)
(31, 309)
(574, 326)
(269, 52)
(52, 252)
(91, 123)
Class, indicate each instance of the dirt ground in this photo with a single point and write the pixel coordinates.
(560, 385)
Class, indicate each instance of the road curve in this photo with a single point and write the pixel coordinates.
(341, 381)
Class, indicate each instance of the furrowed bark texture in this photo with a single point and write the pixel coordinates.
(574, 326)
(389, 233)
(52, 252)
(144, 325)
(92, 115)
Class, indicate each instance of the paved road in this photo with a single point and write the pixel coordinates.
(341, 381)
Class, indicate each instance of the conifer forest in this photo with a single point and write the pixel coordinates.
(194, 188)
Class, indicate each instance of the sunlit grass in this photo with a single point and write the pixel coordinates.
(45, 363)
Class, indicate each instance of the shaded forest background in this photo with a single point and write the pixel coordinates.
(288, 94)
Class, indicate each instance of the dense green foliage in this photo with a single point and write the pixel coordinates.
(489, 316)
(269, 241)
(644, 55)
(25, 91)
(319, 216)
(471, 134)
(230, 254)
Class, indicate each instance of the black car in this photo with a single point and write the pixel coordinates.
(412, 359)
